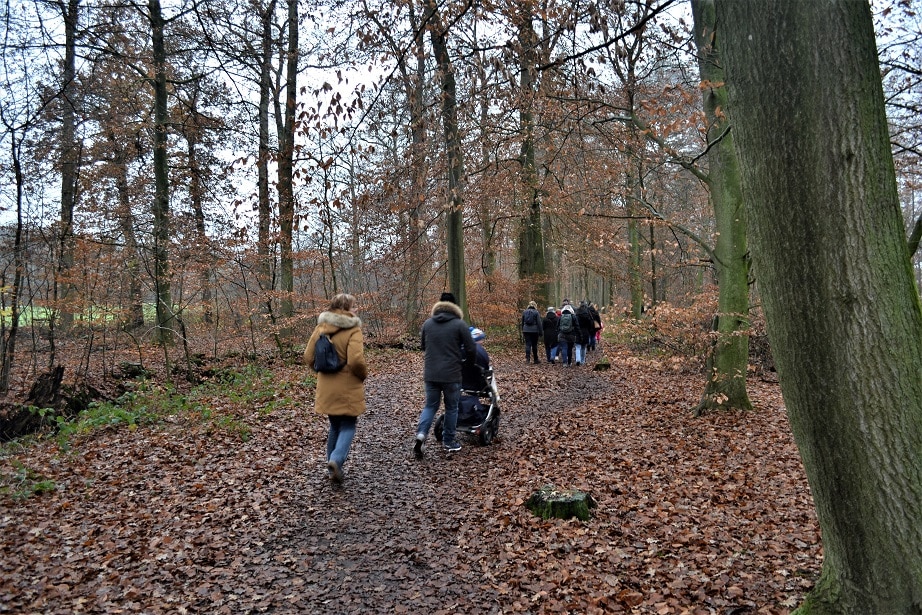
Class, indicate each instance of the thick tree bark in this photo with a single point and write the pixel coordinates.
(70, 159)
(531, 239)
(831, 260)
(726, 381)
(449, 104)
(161, 207)
(286, 167)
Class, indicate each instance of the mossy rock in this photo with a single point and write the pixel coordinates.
(549, 502)
(602, 365)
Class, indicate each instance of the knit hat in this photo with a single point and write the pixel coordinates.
(478, 334)
(446, 296)
(551, 309)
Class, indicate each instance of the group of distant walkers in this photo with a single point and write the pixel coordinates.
(569, 334)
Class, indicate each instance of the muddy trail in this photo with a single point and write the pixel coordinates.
(183, 517)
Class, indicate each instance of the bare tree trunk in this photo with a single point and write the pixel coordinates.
(286, 168)
(725, 386)
(134, 317)
(196, 191)
(70, 161)
(264, 243)
(455, 230)
(841, 306)
(8, 355)
(531, 239)
(161, 207)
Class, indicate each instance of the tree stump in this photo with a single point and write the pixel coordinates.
(602, 365)
(46, 389)
(550, 502)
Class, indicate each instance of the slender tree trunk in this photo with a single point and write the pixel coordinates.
(419, 173)
(841, 305)
(286, 167)
(161, 207)
(725, 386)
(15, 289)
(196, 192)
(635, 257)
(70, 160)
(455, 230)
(264, 243)
(134, 317)
(531, 239)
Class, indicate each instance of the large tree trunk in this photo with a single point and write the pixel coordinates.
(161, 207)
(726, 381)
(455, 230)
(842, 309)
(419, 173)
(70, 160)
(531, 239)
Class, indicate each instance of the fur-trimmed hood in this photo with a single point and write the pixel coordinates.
(339, 319)
(446, 306)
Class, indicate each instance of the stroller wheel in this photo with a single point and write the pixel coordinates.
(439, 427)
(489, 429)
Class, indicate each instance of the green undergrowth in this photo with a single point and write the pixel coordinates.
(224, 401)
(21, 482)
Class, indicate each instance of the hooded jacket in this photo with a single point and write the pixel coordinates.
(531, 313)
(446, 340)
(342, 393)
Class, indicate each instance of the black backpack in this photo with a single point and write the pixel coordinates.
(566, 322)
(531, 317)
(326, 361)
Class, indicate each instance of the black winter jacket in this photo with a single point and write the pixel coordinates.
(550, 328)
(447, 341)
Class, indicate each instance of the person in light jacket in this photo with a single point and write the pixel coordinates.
(340, 395)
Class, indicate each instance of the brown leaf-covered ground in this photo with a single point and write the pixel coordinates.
(695, 515)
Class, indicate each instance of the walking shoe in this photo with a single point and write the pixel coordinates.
(336, 472)
(452, 446)
(418, 446)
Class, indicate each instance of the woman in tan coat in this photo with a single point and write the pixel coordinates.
(340, 395)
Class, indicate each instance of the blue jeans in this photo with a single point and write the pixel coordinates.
(579, 353)
(451, 391)
(339, 440)
(566, 350)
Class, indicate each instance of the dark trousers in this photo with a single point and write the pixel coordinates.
(531, 345)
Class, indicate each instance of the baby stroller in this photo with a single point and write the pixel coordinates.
(478, 411)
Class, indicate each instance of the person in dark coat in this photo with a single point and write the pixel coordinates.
(596, 325)
(549, 324)
(340, 395)
(531, 331)
(447, 343)
(567, 334)
(586, 328)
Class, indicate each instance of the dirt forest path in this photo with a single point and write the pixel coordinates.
(408, 534)
(694, 516)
